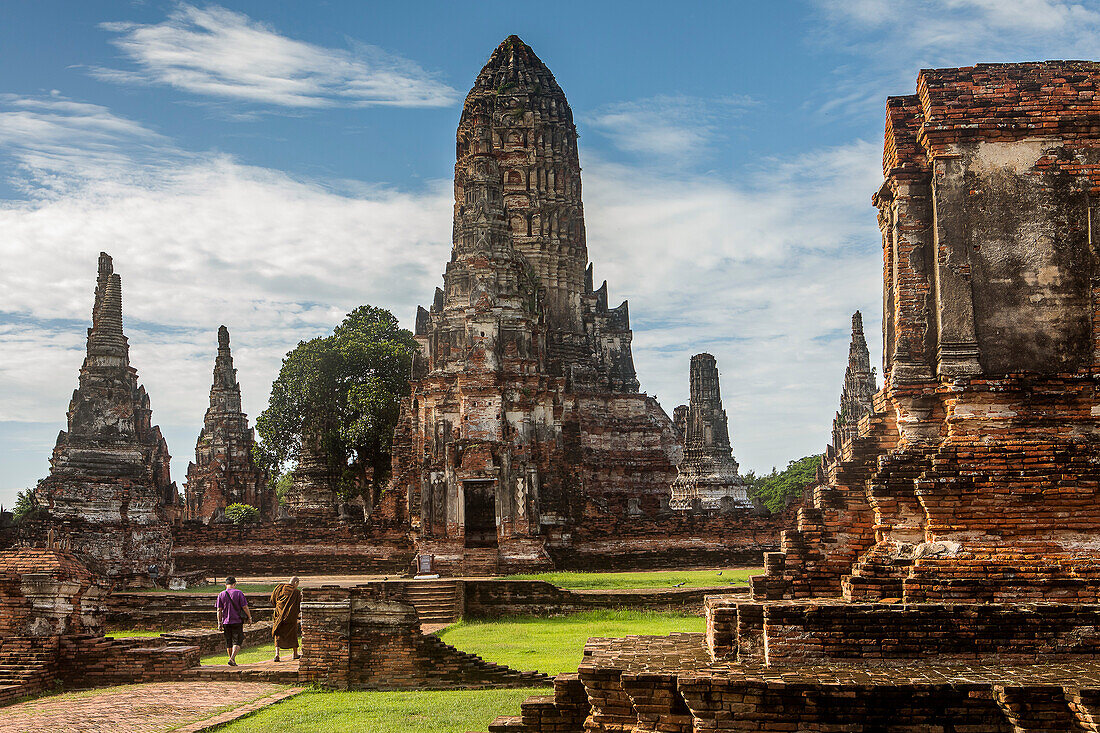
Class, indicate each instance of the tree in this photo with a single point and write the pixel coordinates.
(345, 391)
(777, 487)
(26, 505)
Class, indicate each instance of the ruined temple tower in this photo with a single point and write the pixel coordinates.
(109, 489)
(708, 476)
(524, 373)
(224, 471)
(858, 395)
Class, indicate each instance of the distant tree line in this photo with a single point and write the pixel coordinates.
(775, 489)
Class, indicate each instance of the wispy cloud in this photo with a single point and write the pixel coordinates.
(676, 128)
(893, 39)
(219, 53)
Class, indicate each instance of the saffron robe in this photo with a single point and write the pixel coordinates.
(284, 624)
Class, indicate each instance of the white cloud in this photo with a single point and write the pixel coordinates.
(215, 52)
(763, 272)
(679, 128)
(894, 39)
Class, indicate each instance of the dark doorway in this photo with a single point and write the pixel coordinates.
(481, 513)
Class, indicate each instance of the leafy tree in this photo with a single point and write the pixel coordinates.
(344, 391)
(26, 505)
(775, 488)
(242, 513)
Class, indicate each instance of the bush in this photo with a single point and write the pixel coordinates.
(242, 514)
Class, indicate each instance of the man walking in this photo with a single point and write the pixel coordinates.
(232, 609)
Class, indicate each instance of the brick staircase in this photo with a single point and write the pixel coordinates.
(454, 668)
(26, 673)
(480, 561)
(435, 601)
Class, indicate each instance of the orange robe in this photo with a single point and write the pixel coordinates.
(288, 606)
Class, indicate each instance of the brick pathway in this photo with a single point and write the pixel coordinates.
(150, 708)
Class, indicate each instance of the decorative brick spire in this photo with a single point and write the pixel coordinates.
(224, 471)
(708, 476)
(109, 475)
(858, 395)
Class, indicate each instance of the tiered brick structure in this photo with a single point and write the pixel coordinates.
(312, 493)
(708, 477)
(109, 489)
(525, 414)
(858, 396)
(224, 471)
(51, 629)
(944, 573)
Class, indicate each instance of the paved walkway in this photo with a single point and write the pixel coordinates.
(149, 708)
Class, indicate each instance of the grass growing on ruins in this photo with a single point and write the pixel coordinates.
(455, 711)
(555, 645)
(651, 579)
(131, 633)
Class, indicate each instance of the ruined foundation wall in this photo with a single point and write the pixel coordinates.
(293, 547)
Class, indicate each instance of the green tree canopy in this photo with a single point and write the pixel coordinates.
(775, 488)
(345, 390)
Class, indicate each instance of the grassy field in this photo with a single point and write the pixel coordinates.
(649, 579)
(214, 590)
(555, 645)
(374, 712)
(125, 633)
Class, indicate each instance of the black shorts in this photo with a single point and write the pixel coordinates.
(234, 634)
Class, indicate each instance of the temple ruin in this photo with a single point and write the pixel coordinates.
(224, 471)
(525, 414)
(943, 572)
(109, 491)
(707, 478)
(858, 396)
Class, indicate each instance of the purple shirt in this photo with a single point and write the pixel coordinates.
(228, 609)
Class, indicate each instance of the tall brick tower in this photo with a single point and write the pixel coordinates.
(524, 373)
(858, 395)
(109, 488)
(224, 472)
(708, 476)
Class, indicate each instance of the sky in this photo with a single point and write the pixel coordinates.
(272, 165)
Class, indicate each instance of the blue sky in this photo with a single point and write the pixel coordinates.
(271, 165)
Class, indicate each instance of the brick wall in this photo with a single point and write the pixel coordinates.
(292, 547)
(368, 638)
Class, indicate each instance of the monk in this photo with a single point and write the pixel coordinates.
(287, 600)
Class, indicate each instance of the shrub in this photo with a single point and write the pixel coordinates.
(242, 514)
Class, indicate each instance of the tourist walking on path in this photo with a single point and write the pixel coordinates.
(232, 609)
(287, 600)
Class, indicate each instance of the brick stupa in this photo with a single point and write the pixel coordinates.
(525, 426)
(707, 478)
(224, 471)
(109, 491)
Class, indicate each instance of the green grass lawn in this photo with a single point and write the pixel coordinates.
(124, 633)
(654, 579)
(555, 645)
(378, 712)
(248, 655)
(214, 590)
